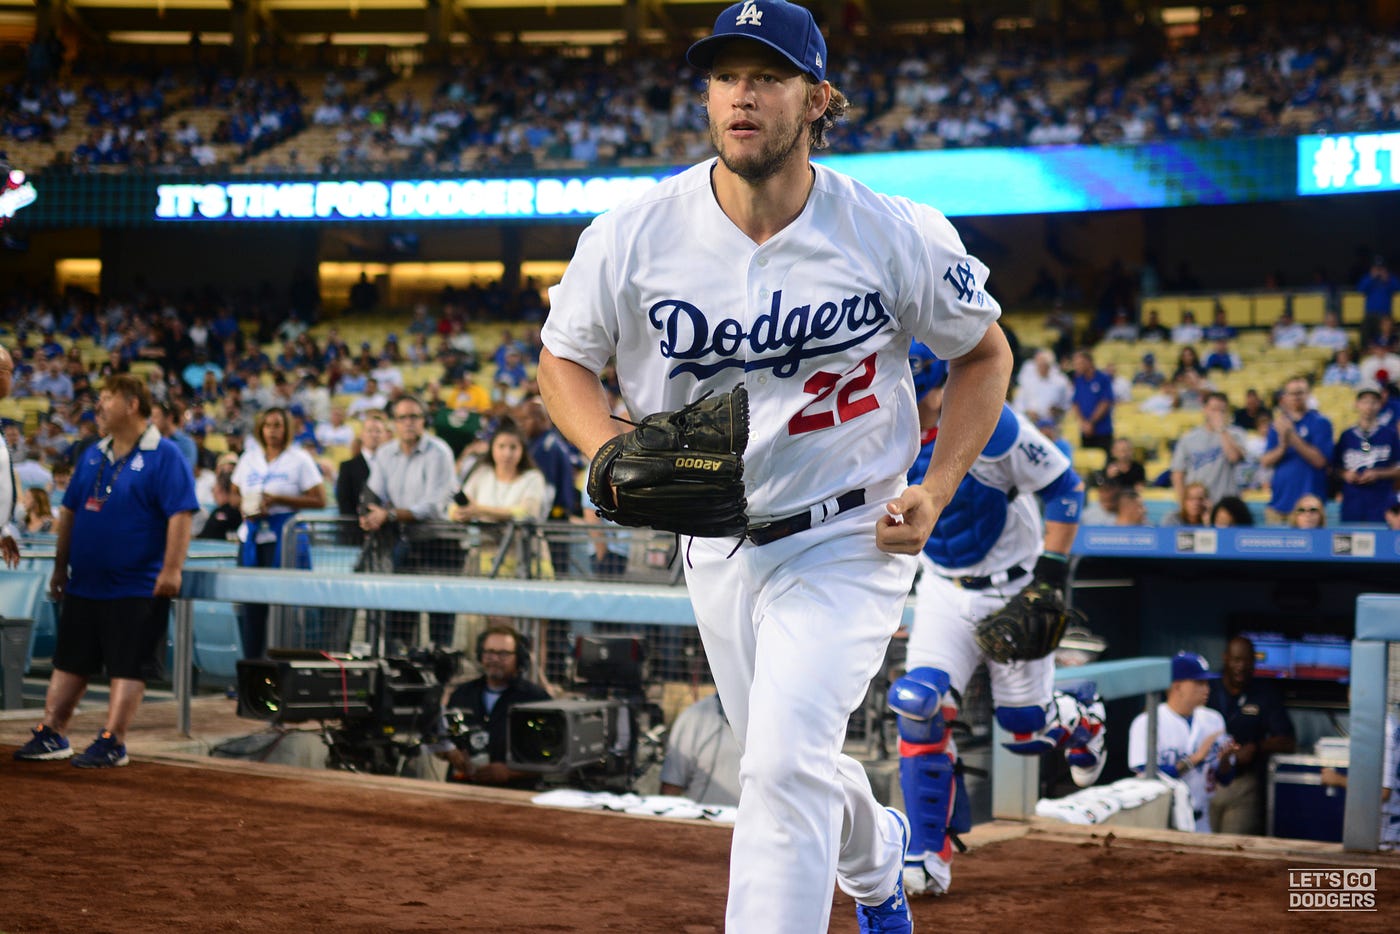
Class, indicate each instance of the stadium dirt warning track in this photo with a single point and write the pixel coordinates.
(190, 844)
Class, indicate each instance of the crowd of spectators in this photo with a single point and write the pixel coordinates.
(525, 108)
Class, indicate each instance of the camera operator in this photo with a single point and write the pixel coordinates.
(504, 656)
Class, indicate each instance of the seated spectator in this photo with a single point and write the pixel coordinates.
(1188, 361)
(226, 516)
(51, 380)
(1050, 428)
(1194, 508)
(335, 432)
(1231, 512)
(702, 756)
(1222, 358)
(504, 657)
(1309, 512)
(1122, 329)
(1123, 468)
(1103, 508)
(1329, 334)
(38, 511)
(1192, 745)
(1342, 371)
(387, 374)
(1188, 331)
(1218, 329)
(1380, 365)
(1246, 417)
(1130, 509)
(1153, 330)
(372, 400)
(1147, 373)
(1286, 333)
(1042, 390)
(193, 375)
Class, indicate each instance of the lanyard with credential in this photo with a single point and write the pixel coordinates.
(102, 491)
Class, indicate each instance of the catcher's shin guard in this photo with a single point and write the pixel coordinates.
(934, 796)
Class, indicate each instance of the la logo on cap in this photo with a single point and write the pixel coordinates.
(750, 14)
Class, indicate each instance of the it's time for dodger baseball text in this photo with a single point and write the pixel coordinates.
(787, 338)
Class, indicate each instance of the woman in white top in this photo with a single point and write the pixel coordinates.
(505, 487)
(275, 479)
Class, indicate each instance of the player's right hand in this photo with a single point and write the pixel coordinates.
(907, 523)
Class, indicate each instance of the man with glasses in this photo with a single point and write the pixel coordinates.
(410, 485)
(1298, 450)
(504, 657)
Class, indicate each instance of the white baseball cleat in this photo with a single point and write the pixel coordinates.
(920, 882)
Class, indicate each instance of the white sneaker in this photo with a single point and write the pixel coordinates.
(919, 881)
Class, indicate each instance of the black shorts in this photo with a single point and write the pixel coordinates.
(124, 635)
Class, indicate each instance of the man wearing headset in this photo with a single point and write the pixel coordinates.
(504, 656)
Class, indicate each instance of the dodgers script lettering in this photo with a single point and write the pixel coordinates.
(779, 340)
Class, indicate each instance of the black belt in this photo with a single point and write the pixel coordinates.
(982, 583)
(766, 532)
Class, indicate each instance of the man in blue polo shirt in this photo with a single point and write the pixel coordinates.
(1299, 449)
(1093, 403)
(1367, 461)
(122, 536)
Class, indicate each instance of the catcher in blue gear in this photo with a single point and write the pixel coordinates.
(992, 568)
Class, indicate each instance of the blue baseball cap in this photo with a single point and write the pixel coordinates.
(929, 372)
(785, 27)
(1188, 666)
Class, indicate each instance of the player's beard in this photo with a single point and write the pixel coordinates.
(783, 143)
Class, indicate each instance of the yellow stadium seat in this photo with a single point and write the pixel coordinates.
(1268, 308)
(1353, 307)
(338, 453)
(1239, 310)
(1088, 460)
(215, 442)
(1309, 307)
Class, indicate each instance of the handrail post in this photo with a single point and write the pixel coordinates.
(182, 677)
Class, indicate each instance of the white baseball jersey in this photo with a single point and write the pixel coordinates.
(816, 322)
(991, 531)
(1177, 738)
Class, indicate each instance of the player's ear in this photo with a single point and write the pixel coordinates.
(818, 97)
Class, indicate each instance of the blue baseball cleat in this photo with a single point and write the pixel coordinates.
(892, 915)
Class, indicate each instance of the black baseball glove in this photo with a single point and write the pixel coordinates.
(679, 471)
(1032, 623)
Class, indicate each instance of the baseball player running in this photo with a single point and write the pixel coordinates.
(763, 271)
(986, 548)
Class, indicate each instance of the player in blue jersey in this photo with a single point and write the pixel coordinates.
(987, 545)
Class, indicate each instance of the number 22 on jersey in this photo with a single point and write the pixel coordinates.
(851, 398)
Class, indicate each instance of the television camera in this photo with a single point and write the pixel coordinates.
(604, 740)
(374, 712)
